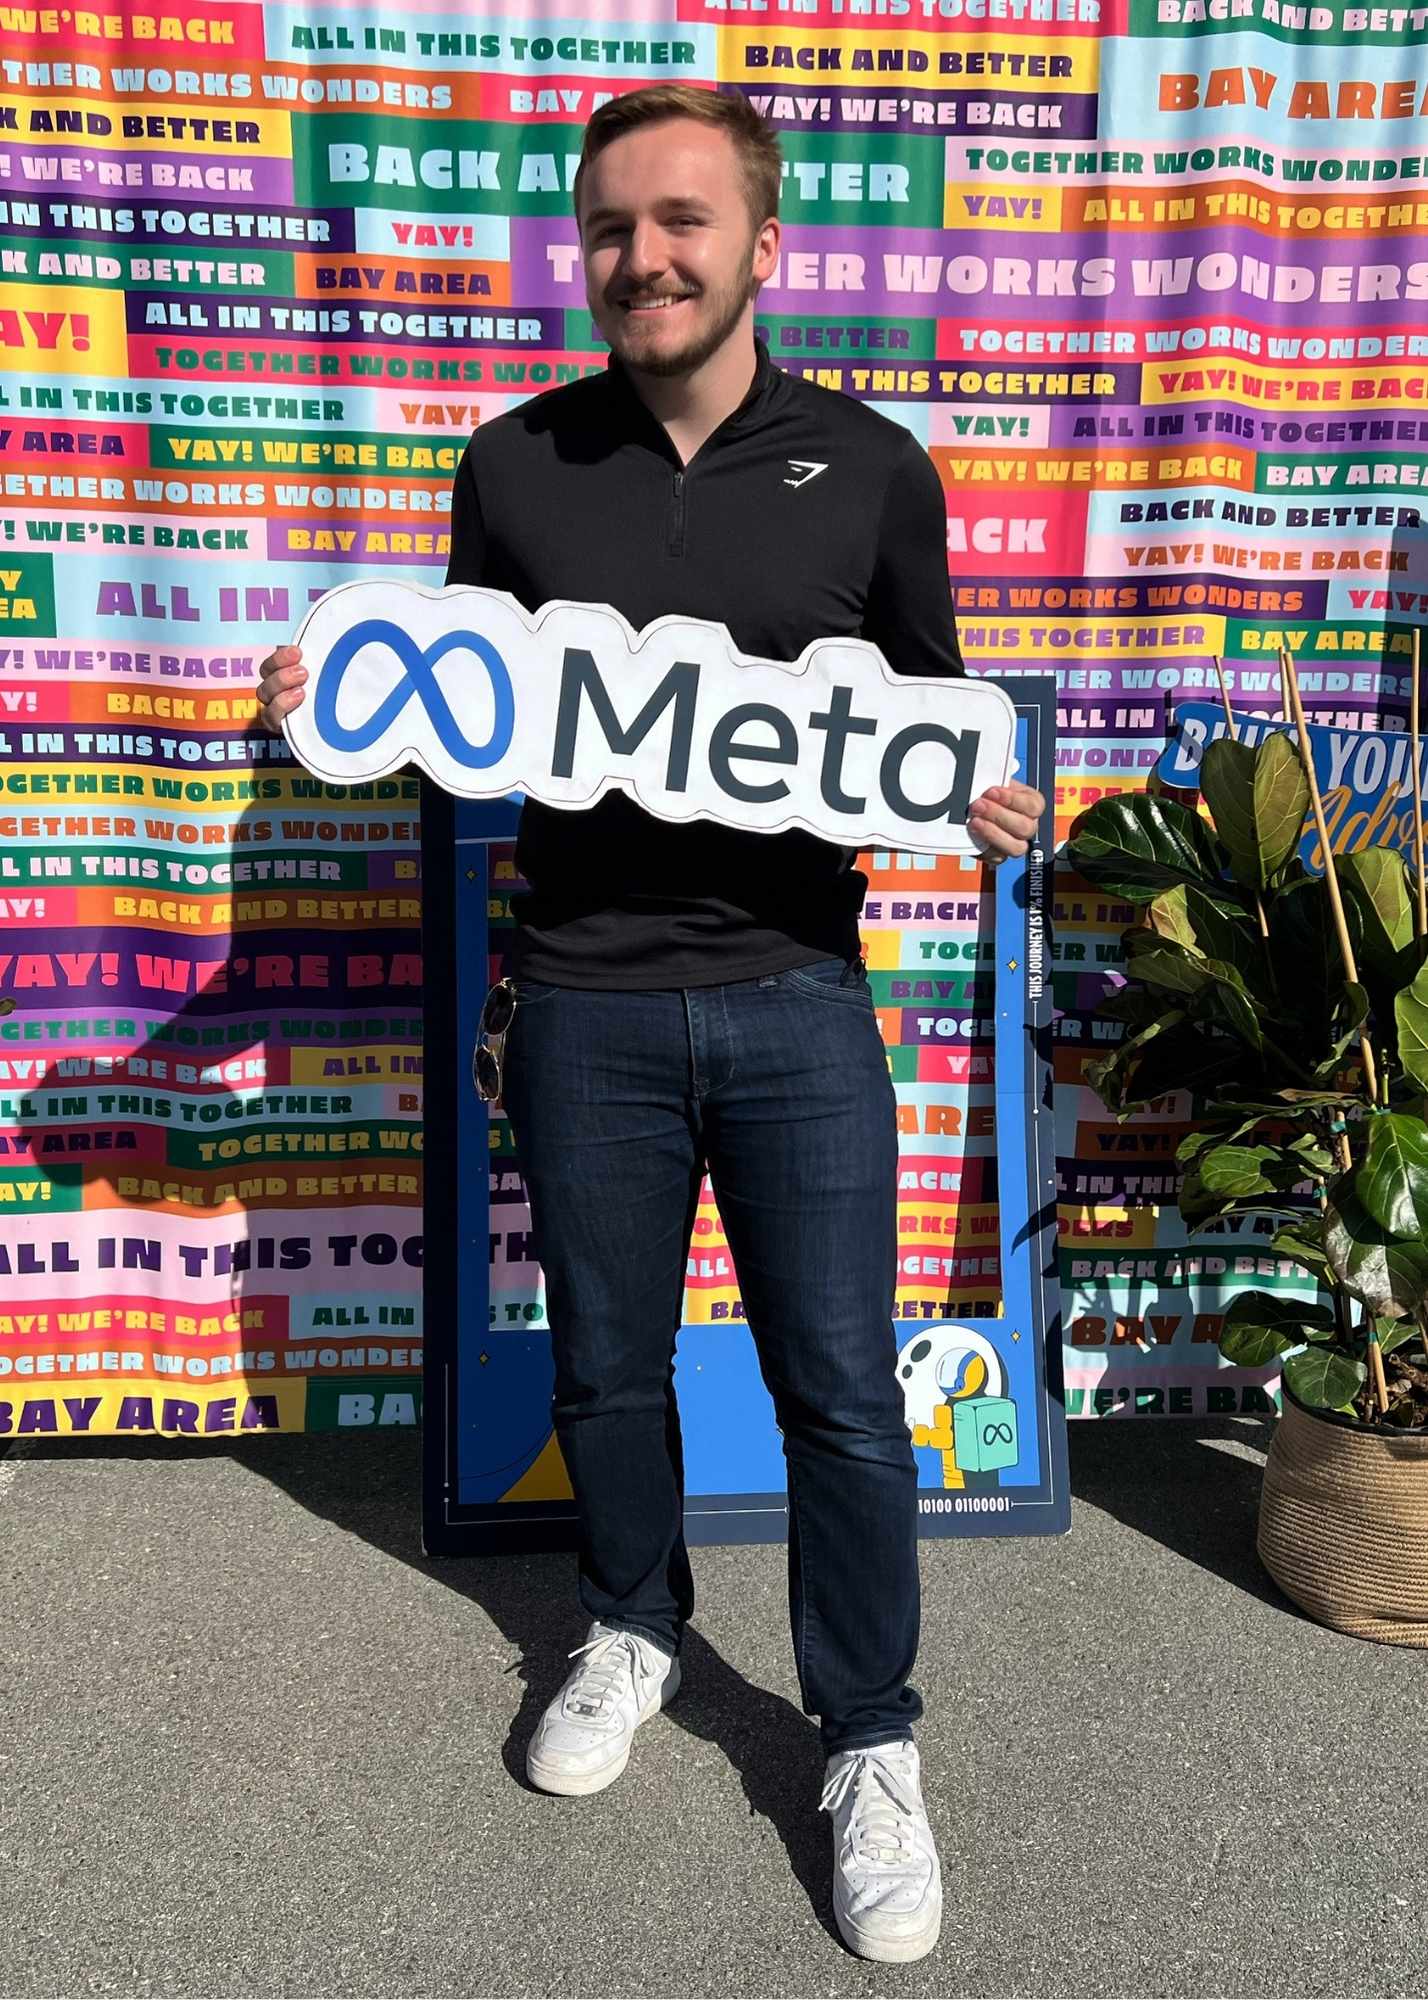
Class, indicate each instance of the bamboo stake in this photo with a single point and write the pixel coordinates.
(1421, 925)
(1380, 1380)
(1230, 725)
(1295, 708)
(1331, 874)
(1224, 692)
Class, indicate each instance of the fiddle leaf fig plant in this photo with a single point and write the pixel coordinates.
(1307, 1085)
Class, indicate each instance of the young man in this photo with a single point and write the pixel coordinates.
(692, 997)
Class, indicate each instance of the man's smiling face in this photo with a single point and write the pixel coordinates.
(672, 256)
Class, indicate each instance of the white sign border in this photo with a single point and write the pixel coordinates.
(311, 749)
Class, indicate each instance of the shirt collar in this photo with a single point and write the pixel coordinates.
(747, 416)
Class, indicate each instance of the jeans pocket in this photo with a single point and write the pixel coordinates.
(841, 981)
(530, 992)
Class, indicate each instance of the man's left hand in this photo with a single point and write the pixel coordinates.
(1004, 819)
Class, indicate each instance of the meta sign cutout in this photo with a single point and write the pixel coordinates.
(573, 702)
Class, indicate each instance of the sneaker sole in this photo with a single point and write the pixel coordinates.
(581, 1784)
(890, 1951)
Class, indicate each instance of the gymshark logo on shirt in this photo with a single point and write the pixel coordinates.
(809, 467)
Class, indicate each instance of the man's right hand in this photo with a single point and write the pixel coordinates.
(280, 686)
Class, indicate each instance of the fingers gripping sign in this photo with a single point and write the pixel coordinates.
(1004, 820)
(281, 680)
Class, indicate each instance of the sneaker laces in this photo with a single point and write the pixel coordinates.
(881, 1827)
(607, 1661)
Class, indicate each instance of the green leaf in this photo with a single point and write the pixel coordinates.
(1324, 1377)
(1108, 1076)
(1168, 918)
(1237, 1170)
(1389, 1276)
(1252, 1346)
(1211, 1132)
(1274, 1309)
(1223, 1176)
(1232, 1108)
(1258, 797)
(1197, 1202)
(1215, 988)
(1169, 1055)
(1392, 1180)
(1135, 845)
(1289, 1108)
(1302, 1242)
(1375, 881)
(1281, 799)
(1394, 1333)
(1233, 1004)
(1227, 787)
(1259, 1325)
(1314, 1153)
(1131, 1004)
(1411, 1012)
(1243, 1171)
(1221, 1122)
(1210, 928)
(1159, 962)
(1350, 1012)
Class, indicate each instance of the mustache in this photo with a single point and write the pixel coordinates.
(641, 295)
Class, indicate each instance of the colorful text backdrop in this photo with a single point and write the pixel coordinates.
(1149, 278)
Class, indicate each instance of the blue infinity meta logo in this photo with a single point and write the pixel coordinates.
(420, 685)
(571, 702)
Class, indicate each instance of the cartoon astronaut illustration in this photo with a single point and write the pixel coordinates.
(954, 1394)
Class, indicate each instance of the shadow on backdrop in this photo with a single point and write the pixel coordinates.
(255, 983)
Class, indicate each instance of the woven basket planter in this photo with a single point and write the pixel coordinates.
(1343, 1523)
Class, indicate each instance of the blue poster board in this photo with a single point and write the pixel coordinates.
(1365, 776)
(982, 1388)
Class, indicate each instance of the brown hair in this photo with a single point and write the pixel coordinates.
(754, 139)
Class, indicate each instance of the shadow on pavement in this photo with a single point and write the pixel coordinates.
(1191, 1487)
(773, 1748)
(375, 1494)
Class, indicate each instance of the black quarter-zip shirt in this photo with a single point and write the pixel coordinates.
(804, 516)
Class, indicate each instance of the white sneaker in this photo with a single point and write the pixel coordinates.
(583, 1741)
(887, 1886)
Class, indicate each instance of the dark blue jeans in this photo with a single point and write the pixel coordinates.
(779, 1086)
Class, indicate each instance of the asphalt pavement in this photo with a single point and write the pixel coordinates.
(255, 1743)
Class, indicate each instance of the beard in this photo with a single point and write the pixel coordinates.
(721, 311)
